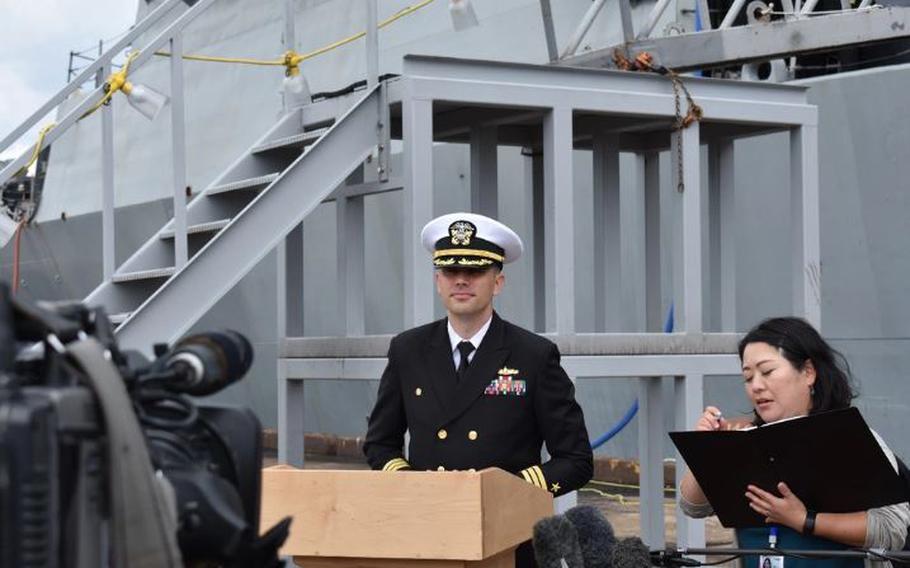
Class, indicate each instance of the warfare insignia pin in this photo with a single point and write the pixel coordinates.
(461, 232)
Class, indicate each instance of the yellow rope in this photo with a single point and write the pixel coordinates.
(116, 82)
(37, 150)
(216, 59)
(626, 486)
(615, 497)
(292, 59)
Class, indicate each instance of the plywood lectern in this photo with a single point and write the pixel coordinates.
(373, 519)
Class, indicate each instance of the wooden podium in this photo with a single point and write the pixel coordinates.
(374, 519)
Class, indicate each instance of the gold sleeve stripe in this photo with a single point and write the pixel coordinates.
(527, 476)
(543, 480)
(533, 477)
(395, 464)
(538, 475)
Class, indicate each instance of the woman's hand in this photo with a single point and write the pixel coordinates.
(786, 510)
(710, 420)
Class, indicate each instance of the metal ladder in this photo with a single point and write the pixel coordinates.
(238, 220)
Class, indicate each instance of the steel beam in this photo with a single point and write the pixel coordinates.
(546, 13)
(586, 21)
(625, 19)
(689, 400)
(577, 366)
(290, 417)
(289, 278)
(178, 152)
(650, 168)
(366, 188)
(484, 171)
(651, 432)
(108, 224)
(805, 223)
(538, 214)
(372, 43)
(572, 344)
(656, 12)
(607, 235)
(692, 226)
(603, 95)
(349, 214)
(742, 44)
(417, 126)
(722, 257)
(559, 195)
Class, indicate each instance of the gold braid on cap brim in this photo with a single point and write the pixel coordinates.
(465, 253)
(444, 262)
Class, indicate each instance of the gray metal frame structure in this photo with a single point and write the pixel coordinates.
(796, 29)
(171, 16)
(558, 110)
(338, 150)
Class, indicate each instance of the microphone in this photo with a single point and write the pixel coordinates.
(595, 535)
(206, 363)
(631, 553)
(556, 544)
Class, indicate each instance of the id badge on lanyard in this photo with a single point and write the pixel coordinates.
(768, 561)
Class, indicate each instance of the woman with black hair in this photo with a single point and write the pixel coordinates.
(791, 371)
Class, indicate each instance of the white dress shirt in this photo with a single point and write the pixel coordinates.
(455, 339)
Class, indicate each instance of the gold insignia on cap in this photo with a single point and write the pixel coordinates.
(461, 232)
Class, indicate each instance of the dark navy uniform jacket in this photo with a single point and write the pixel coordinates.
(514, 397)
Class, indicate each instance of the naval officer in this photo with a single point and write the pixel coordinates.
(474, 390)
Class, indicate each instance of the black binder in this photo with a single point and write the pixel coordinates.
(831, 461)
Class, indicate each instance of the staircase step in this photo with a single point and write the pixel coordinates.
(303, 139)
(258, 182)
(152, 274)
(210, 227)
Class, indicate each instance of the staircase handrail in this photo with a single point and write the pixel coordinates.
(96, 95)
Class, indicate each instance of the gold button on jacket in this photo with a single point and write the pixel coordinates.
(442, 434)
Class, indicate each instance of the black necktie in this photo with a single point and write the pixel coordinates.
(465, 348)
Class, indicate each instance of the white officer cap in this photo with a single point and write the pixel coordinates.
(469, 240)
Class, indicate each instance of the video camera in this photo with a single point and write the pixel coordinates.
(105, 461)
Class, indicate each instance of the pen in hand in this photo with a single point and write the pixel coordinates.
(711, 420)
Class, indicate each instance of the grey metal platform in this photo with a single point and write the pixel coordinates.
(553, 111)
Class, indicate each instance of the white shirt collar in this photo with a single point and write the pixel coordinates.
(455, 339)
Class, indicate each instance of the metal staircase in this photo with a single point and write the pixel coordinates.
(236, 221)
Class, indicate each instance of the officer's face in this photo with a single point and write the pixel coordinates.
(468, 291)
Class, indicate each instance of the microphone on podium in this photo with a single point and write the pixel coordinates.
(556, 544)
(631, 553)
(595, 535)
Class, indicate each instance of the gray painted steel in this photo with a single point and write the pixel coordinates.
(433, 86)
(252, 234)
(864, 212)
(758, 42)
